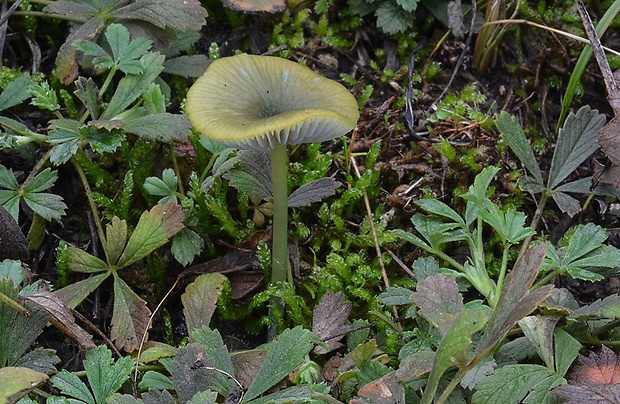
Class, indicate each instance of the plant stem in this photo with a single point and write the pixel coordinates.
(49, 15)
(91, 202)
(502, 275)
(279, 251)
(537, 215)
(13, 304)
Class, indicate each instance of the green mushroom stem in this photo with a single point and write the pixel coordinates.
(279, 252)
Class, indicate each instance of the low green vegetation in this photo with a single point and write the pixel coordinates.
(438, 252)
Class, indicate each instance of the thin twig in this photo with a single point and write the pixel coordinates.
(375, 239)
(461, 59)
(143, 340)
(401, 264)
(597, 49)
(554, 30)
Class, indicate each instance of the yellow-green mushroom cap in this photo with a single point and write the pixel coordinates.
(255, 102)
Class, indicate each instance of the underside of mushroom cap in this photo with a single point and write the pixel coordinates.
(255, 102)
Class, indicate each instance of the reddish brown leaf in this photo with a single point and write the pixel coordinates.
(66, 60)
(609, 138)
(439, 301)
(329, 320)
(62, 317)
(239, 264)
(597, 368)
(515, 301)
(593, 394)
(130, 318)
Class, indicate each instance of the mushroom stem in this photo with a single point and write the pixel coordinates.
(279, 251)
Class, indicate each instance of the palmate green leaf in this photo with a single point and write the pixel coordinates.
(13, 270)
(48, 206)
(396, 295)
(104, 376)
(155, 380)
(200, 298)
(131, 87)
(248, 184)
(126, 53)
(115, 239)
(608, 307)
(179, 15)
(214, 349)
(391, 18)
(515, 138)
(295, 394)
(163, 127)
(477, 192)
(7, 178)
(454, 346)
(15, 92)
(314, 191)
(166, 186)
(576, 142)
(10, 201)
(204, 397)
(130, 318)
(285, 353)
(435, 232)
(71, 385)
(104, 141)
(186, 245)
(88, 93)
(18, 330)
(509, 225)
(66, 136)
(584, 240)
(439, 208)
(16, 379)
(42, 181)
(81, 261)
(75, 293)
(43, 96)
(528, 384)
(153, 230)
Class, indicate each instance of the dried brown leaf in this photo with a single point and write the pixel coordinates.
(593, 394)
(386, 390)
(66, 60)
(609, 140)
(329, 320)
(602, 367)
(64, 319)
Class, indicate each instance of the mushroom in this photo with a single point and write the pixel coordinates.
(265, 103)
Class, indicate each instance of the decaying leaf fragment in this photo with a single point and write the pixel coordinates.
(62, 317)
(594, 379)
(329, 320)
